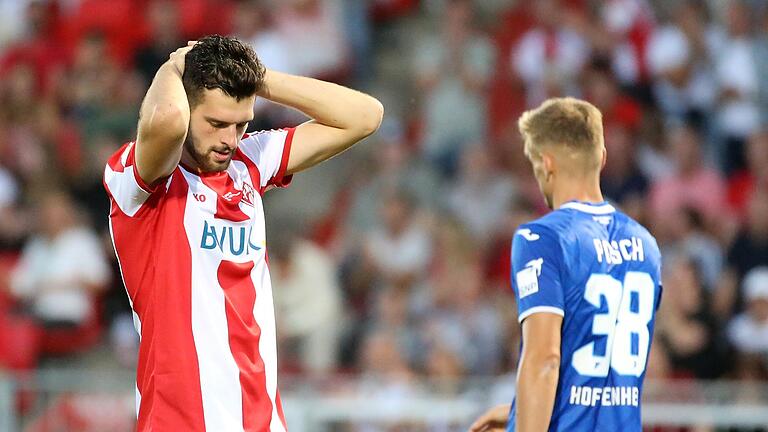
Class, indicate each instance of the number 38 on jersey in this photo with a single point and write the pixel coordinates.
(624, 323)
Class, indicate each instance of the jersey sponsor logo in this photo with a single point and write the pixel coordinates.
(528, 278)
(237, 240)
(605, 396)
(229, 196)
(528, 235)
(235, 196)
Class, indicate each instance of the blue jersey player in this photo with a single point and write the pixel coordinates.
(587, 282)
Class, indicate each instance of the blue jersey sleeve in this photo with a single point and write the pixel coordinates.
(536, 264)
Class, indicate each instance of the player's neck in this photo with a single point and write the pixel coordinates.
(577, 190)
(189, 162)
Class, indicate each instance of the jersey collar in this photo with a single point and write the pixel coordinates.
(592, 208)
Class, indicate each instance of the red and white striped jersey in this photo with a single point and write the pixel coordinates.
(192, 252)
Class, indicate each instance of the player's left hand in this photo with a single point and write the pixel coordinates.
(494, 420)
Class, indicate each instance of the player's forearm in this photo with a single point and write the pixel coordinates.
(165, 110)
(536, 388)
(327, 103)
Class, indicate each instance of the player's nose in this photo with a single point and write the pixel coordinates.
(229, 137)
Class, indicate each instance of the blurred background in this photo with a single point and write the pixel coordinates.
(391, 263)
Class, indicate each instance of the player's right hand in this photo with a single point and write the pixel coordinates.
(494, 420)
(177, 58)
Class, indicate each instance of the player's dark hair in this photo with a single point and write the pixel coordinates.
(224, 63)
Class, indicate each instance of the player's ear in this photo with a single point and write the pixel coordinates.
(548, 163)
(605, 158)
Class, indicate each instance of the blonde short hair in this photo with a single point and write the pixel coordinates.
(571, 123)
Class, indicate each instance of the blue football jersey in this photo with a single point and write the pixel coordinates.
(601, 271)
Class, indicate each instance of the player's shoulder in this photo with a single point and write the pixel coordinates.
(544, 232)
(550, 227)
(121, 157)
(265, 135)
(636, 229)
(255, 145)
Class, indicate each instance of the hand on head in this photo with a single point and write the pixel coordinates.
(178, 57)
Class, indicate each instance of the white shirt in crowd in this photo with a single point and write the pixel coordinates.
(409, 252)
(748, 335)
(53, 274)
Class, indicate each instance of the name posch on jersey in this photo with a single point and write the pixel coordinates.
(616, 252)
(605, 396)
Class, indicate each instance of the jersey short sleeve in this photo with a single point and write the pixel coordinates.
(122, 181)
(536, 278)
(270, 150)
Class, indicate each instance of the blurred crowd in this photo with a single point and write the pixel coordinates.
(393, 264)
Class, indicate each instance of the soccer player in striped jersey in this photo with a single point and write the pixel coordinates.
(187, 223)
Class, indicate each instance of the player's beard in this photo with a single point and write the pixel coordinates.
(204, 160)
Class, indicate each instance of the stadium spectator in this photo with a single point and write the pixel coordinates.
(737, 79)
(311, 32)
(688, 235)
(551, 55)
(40, 30)
(393, 166)
(652, 153)
(392, 313)
(748, 250)
(748, 331)
(308, 306)
(399, 251)
(602, 89)
(688, 329)
(680, 56)
(754, 178)
(452, 69)
(628, 25)
(481, 194)
(92, 77)
(59, 290)
(385, 377)
(622, 181)
(446, 370)
(164, 35)
(693, 184)
(459, 319)
(254, 24)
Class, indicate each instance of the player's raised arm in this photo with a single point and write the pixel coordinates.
(163, 121)
(340, 116)
(538, 372)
